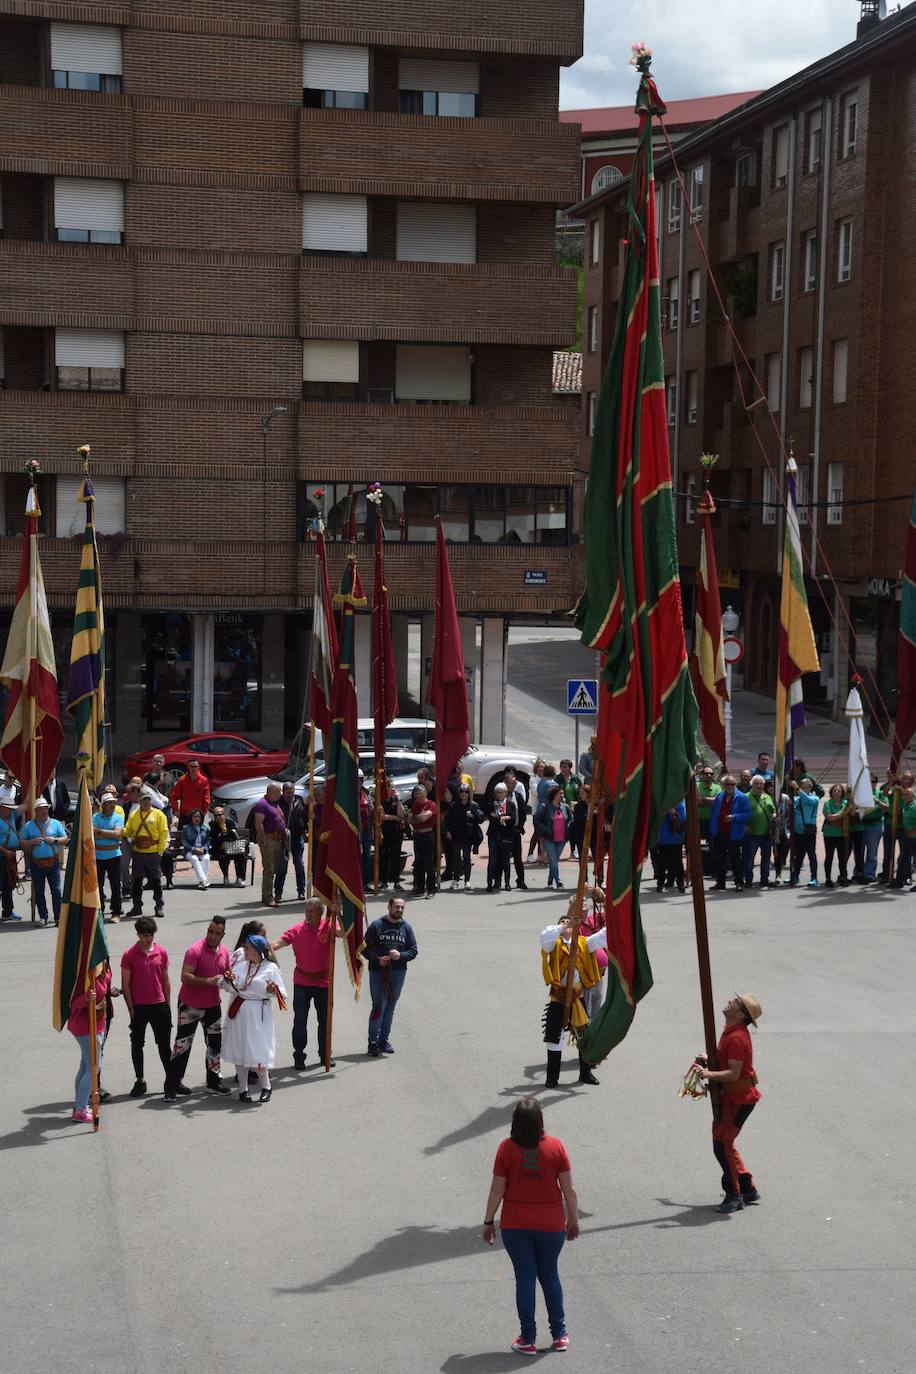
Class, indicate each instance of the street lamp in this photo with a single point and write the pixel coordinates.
(730, 623)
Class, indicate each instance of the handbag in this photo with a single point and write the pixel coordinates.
(235, 847)
(48, 862)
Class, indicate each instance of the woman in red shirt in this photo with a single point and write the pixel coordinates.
(532, 1179)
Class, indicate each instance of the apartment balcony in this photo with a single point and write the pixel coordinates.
(536, 28)
(65, 132)
(359, 152)
(403, 442)
(739, 233)
(438, 302)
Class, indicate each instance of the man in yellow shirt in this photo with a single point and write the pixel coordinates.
(147, 833)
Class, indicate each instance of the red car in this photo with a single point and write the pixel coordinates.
(223, 758)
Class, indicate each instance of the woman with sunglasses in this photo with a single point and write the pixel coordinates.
(463, 832)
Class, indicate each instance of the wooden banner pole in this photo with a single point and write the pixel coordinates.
(698, 893)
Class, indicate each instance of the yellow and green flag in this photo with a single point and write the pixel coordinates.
(86, 688)
(82, 946)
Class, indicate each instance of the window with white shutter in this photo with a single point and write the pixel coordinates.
(88, 211)
(86, 57)
(834, 493)
(692, 388)
(335, 76)
(335, 225)
(109, 514)
(429, 87)
(840, 366)
(768, 516)
(89, 359)
(433, 375)
(774, 381)
(781, 155)
(330, 369)
(433, 232)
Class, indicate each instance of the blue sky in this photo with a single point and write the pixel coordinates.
(703, 47)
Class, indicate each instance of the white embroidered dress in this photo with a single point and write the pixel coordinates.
(249, 1037)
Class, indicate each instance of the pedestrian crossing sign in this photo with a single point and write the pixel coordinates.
(581, 696)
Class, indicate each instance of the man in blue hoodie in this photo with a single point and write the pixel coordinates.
(731, 812)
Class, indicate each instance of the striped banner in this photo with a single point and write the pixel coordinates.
(86, 687)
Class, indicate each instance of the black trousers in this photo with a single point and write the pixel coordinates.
(499, 863)
(461, 859)
(517, 857)
(159, 1016)
(728, 855)
(146, 866)
(424, 861)
(804, 846)
(389, 858)
(110, 868)
(224, 860)
(189, 1018)
(835, 845)
(671, 865)
(303, 997)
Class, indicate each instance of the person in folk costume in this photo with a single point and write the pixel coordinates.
(556, 948)
(253, 983)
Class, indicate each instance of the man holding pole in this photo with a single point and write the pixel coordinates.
(738, 1096)
(311, 942)
(556, 952)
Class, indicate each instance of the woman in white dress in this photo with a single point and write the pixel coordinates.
(253, 982)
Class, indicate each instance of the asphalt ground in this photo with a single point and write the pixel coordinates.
(337, 1228)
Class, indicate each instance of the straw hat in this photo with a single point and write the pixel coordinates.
(751, 1005)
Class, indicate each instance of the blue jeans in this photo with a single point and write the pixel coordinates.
(552, 850)
(385, 987)
(871, 835)
(753, 844)
(534, 1256)
(297, 854)
(82, 1088)
(51, 877)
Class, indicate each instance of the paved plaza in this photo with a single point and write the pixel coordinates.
(337, 1228)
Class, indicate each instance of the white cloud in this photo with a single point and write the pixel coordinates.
(701, 47)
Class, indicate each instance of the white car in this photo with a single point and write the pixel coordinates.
(486, 766)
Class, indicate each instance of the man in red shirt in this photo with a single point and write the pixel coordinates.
(739, 1095)
(147, 992)
(191, 793)
(311, 942)
(198, 1002)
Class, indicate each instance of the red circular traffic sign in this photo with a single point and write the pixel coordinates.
(732, 649)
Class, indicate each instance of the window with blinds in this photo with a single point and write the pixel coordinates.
(335, 76)
(431, 232)
(110, 506)
(86, 57)
(335, 225)
(88, 211)
(89, 359)
(428, 87)
(433, 375)
(330, 370)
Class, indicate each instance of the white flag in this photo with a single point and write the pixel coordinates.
(860, 788)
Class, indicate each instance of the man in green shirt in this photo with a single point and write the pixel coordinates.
(759, 835)
(872, 830)
(707, 791)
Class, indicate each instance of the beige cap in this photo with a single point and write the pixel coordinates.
(751, 1005)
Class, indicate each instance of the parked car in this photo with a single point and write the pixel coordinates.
(238, 798)
(486, 766)
(404, 732)
(222, 758)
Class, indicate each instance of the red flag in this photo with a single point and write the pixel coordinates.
(32, 731)
(339, 858)
(906, 648)
(707, 662)
(384, 673)
(447, 691)
(324, 642)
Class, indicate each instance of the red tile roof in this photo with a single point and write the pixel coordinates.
(567, 373)
(681, 113)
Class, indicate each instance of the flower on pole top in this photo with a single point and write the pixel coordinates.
(706, 505)
(641, 56)
(374, 493)
(318, 494)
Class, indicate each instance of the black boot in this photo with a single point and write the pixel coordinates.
(554, 1060)
(585, 1073)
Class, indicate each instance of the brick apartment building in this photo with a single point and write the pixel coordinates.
(250, 249)
(804, 199)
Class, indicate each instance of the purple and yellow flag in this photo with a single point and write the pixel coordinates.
(797, 649)
(339, 856)
(86, 688)
(82, 946)
(631, 608)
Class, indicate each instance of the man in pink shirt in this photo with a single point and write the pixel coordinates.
(311, 942)
(198, 1003)
(148, 994)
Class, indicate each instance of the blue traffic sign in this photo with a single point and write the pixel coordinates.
(581, 696)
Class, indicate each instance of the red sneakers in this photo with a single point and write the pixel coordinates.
(522, 1347)
(561, 1344)
(84, 1115)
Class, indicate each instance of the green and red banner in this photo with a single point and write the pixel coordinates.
(631, 610)
(324, 642)
(82, 946)
(339, 859)
(906, 648)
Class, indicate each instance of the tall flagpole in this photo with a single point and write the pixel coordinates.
(698, 896)
(332, 962)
